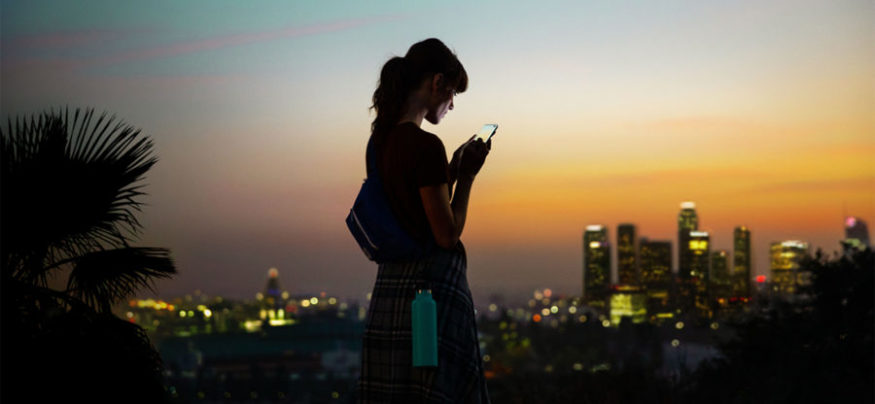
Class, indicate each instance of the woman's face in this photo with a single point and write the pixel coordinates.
(440, 99)
(440, 105)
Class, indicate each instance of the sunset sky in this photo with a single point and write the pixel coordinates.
(762, 113)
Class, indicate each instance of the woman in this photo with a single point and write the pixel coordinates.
(418, 182)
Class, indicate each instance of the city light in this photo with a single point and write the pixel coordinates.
(679, 325)
(794, 244)
(536, 318)
(761, 278)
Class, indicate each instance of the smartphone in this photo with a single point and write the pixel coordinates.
(486, 132)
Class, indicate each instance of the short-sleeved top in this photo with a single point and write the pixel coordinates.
(409, 158)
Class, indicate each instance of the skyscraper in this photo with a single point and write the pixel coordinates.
(741, 263)
(856, 235)
(699, 246)
(785, 257)
(721, 285)
(596, 265)
(655, 262)
(697, 285)
(687, 221)
(627, 264)
(655, 258)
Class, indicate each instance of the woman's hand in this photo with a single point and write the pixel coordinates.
(454, 162)
(471, 157)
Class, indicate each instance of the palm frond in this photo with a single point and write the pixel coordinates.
(102, 278)
(70, 182)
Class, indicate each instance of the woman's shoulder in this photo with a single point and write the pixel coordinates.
(420, 136)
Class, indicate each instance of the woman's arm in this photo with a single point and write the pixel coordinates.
(447, 219)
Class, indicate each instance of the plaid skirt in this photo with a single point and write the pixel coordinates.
(387, 373)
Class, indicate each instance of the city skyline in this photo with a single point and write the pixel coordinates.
(607, 113)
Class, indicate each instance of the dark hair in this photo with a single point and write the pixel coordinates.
(401, 75)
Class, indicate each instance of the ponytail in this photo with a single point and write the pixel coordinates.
(390, 95)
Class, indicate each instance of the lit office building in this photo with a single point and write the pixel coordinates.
(721, 285)
(785, 258)
(856, 235)
(627, 264)
(741, 263)
(697, 286)
(596, 265)
(687, 221)
(699, 246)
(655, 257)
(655, 262)
(628, 301)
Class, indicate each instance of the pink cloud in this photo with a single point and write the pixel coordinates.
(61, 39)
(83, 38)
(183, 48)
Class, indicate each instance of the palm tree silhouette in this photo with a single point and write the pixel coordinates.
(70, 188)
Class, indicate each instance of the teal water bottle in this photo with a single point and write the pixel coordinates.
(424, 319)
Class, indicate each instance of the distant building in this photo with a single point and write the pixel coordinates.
(596, 265)
(699, 246)
(687, 221)
(655, 258)
(628, 301)
(697, 284)
(785, 258)
(741, 269)
(856, 235)
(721, 285)
(627, 262)
(272, 295)
(273, 302)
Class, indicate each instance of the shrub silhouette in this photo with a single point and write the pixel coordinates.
(70, 188)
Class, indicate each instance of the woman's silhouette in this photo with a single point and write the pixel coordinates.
(418, 182)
